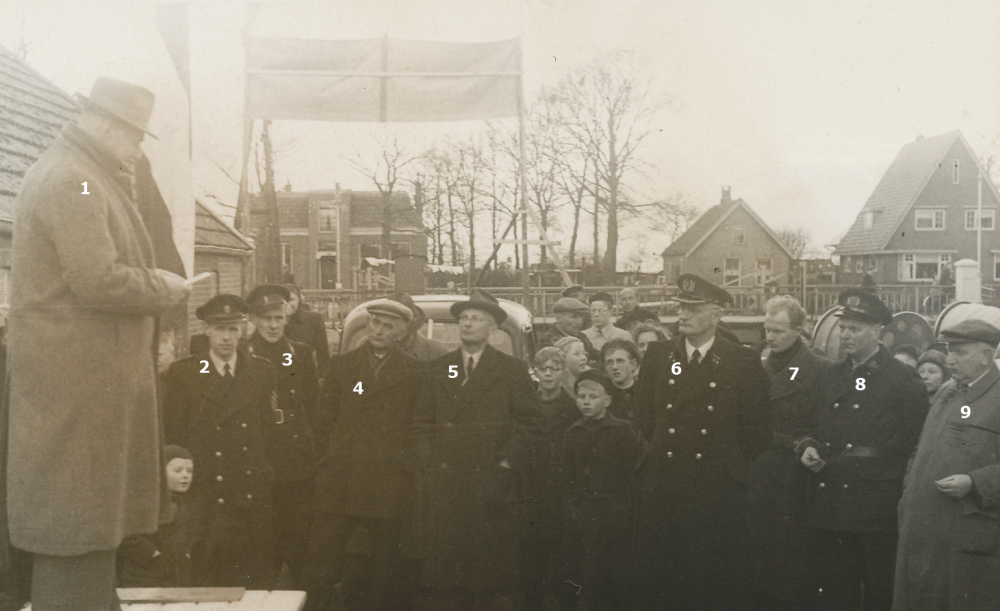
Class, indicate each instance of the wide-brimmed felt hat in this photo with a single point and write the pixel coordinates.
(695, 290)
(221, 309)
(480, 300)
(126, 102)
(267, 297)
(862, 305)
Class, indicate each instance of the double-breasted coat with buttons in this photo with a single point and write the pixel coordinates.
(220, 424)
(865, 422)
(780, 537)
(367, 462)
(949, 549)
(291, 444)
(464, 433)
(706, 422)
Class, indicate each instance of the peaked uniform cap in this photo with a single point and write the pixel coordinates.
(390, 307)
(864, 306)
(695, 289)
(126, 102)
(268, 297)
(480, 300)
(594, 375)
(972, 330)
(222, 309)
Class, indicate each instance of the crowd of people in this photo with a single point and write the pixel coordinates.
(627, 468)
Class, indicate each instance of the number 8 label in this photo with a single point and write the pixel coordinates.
(859, 384)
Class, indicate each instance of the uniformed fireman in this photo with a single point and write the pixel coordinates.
(213, 406)
(703, 402)
(866, 418)
(291, 448)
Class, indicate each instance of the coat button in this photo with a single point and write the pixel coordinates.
(218, 428)
(698, 456)
(218, 453)
(249, 496)
(704, 432)
(295, 436)
(856, 406)
(845, 485)
(670, 406)
(670, 381)
(244, 448)
(248, 473)
(670, 454)
(822, 485)
(444, 465)
(671, 431)
(221, 501)
(828, 444)
(218, 478)
(710, 408)
(711, 384)
(244, 425)
(849, 446)
(836, 405)
(448, 425)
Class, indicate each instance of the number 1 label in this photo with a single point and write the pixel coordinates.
(85, 191)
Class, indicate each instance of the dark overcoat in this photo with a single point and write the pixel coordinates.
(221, 427)
(865, 431)
(469, 511)
(949, 549)
(83, 457)
(308, 327)
(366, 465)
(706, 423)
(780, 537)
(291, 444)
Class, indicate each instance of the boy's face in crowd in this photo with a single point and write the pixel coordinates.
(592, 400)
(549, 375)
(600, 313)
(620, 366)
(180, 471)
(224, 337)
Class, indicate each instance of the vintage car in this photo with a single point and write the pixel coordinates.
(514, 336)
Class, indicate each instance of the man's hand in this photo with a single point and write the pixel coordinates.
(812, 461)
(955, 486)
(176, 286)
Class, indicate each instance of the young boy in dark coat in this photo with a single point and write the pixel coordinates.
(163, 559)
(600, 457)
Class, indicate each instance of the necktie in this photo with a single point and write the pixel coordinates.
(468, 369)
(227, 375)
(696, 357)
(963, 388)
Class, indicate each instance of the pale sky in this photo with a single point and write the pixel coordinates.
(798, 105)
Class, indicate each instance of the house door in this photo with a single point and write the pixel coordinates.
(328, 272)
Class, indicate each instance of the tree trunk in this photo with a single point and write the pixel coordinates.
(387, 224)
(597, 220)
(611, 254)
(451, 228)
(576, 231)
(517, 252)
(271, 254)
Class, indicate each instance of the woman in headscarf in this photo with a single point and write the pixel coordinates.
(933, 371)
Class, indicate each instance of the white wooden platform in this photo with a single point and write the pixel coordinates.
(253, 600)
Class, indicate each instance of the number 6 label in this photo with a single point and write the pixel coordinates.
(675, 368)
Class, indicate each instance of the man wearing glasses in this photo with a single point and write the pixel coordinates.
(603, 331)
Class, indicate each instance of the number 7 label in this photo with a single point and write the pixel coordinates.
(795, 370)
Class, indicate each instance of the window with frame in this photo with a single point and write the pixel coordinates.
(327, 217)
(286, 256)
(929, 220)
(731, 271)
(401, 248)
(739, 236)
(921, 267)
(989, 219)
(764, 273)
(859, 266)
(996, 266)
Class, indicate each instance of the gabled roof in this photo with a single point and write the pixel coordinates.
(710, 221)
(211, 231)
(32, 113)
(896, 193)
(366, 210)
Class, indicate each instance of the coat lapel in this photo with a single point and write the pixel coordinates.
(981, 387)
(782, 384)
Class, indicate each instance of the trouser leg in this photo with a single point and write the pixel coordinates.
(392, 579)
(840, 558)
(880, 562)
(325, 560)
(74, 583)
(292, 517)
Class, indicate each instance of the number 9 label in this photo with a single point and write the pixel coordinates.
(966, 411)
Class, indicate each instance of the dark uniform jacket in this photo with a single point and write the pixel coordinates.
(291, 445)
(222, 429)
(865, 424)
(308, 327)
(777, 499)
(367, 462)
(464, 432)
(706, 423)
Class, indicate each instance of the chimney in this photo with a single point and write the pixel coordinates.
(726, 198)
(418, 198)
(288, 186)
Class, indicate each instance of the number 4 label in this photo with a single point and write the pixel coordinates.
(358, 389)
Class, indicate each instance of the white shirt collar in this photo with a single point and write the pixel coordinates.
(220, 365)
(475, 356)
(702, 349)
(979, 378)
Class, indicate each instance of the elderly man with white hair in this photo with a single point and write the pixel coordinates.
(948, 533)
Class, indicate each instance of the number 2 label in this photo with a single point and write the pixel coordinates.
(204, 367)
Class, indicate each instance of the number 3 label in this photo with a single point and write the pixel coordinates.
(288, 359)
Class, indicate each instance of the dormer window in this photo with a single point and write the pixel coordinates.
(868, 218)
(739, 236)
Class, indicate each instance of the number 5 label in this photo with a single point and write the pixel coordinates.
(452, 371)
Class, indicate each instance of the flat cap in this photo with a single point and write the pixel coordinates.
(595, 375)
(221, 309)
(267, 297)
(972, 330)
(576, 288)
(405, 299)
(862, 305)
(389, 307)
(602, 296)
(695, 289)
(568, 304)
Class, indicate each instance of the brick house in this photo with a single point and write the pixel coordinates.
(923, 215)
(316, 226)
(731, 246)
